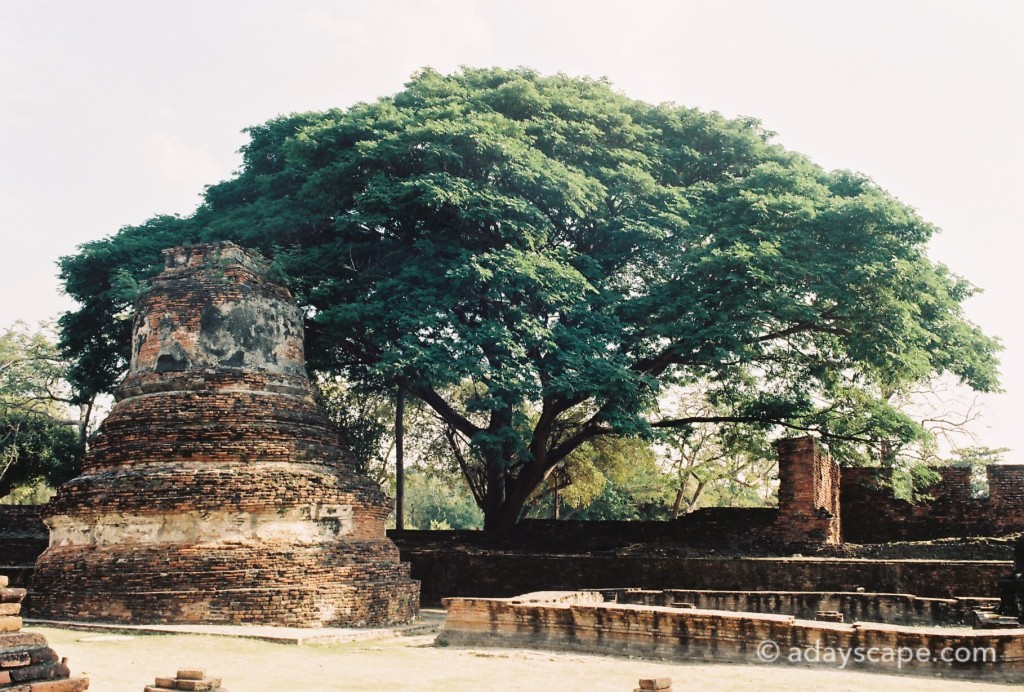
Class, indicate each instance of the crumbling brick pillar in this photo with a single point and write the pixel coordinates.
(216, 491)
(808, 494)
(1006, 495)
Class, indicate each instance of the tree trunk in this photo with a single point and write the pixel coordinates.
(501, 514)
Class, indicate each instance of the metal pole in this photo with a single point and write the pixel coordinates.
(399, 458)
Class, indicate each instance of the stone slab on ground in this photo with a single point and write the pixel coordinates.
(988, 620)
(190, 679)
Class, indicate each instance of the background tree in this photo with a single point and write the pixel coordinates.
(570, 252)
(40, 442)
(437, 501)
(714, 463)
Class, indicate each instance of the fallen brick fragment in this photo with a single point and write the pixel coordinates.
(27, 664)
(12, 595)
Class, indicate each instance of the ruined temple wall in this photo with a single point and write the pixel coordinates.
(872, 514)
(889, 608)
(1006, 496)
(449, 572)
(809, 483)
(713, 635)
(23, 535)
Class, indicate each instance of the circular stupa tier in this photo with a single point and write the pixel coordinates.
(216, 491)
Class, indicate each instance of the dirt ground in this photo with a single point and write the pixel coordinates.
(117, 663)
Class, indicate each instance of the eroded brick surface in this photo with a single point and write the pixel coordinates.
(27, 664)
(216, 490)
(719, 636)
(808, 494)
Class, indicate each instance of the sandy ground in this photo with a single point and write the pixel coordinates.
(118, 663)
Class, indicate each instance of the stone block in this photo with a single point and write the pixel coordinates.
(12, 595)
(12, 640)
(655, 683)
(15, 659)
(203, 684)
(191, 674)
(68, 685)
(10, 623)
(829, 616)
(38, 672)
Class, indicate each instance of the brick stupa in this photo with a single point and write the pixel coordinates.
(216, 491)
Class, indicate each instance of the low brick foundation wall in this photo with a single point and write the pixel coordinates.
(23, 535)
(448, 573)
(887, 608)
(555, 621)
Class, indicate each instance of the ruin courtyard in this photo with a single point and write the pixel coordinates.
(215, 497)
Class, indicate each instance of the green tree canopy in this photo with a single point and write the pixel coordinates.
(570, 251)
(38, 438)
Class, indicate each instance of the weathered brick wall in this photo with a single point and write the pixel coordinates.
(894, 609)
(872, 514)
(719, 636)
(734, 527)
(1006, 497)
(216, 490)
(23, 535)
(809, 507)
(451, 572)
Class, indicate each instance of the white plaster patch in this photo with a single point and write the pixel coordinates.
(302, 525)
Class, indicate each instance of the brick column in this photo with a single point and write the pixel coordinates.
(808, 494)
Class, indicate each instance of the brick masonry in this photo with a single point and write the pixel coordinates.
(556, 621)
(447, 572)
(27, 663)
(848, 606)
(808, 494)
(872, 514)
(23, 536)
(216, 491)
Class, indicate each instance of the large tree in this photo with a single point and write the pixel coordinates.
(569, 251)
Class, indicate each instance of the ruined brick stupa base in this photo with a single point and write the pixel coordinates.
(216, 491)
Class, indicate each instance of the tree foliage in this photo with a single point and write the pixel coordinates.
(570, 252)
(38, 439)
(716, 463)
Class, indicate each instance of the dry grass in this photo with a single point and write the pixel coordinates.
(414, 663)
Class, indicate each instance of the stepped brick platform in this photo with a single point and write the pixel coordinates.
(216, 491)
(583, 621)
(27, 663)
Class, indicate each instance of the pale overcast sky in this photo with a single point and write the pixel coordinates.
(114, 111)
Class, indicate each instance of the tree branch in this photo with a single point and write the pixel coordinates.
(449, 415)
(473, 484)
